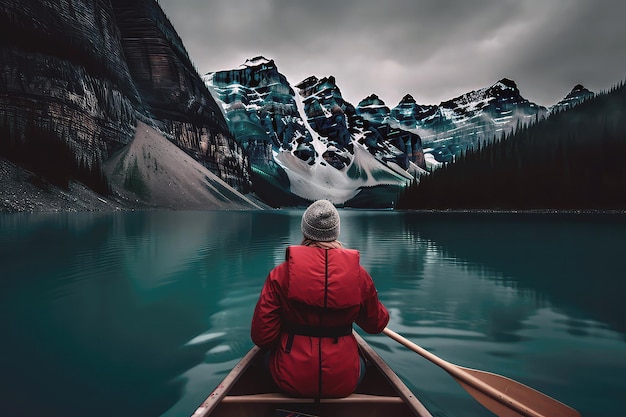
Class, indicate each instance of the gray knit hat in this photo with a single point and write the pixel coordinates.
(320, 222)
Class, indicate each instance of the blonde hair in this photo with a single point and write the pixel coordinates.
(333, 244)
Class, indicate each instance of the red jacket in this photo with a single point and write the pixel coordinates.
(318, 289)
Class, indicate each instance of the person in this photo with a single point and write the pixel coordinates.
(306, 309)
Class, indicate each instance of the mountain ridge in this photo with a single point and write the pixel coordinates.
(311, 144)
(261, 107)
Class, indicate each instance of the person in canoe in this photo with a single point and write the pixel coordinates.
(306, 309)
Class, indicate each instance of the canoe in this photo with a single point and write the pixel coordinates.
(249, 391)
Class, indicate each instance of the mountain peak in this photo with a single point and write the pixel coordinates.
(507, 83)
(307, 82)
(579, 92)
(503, 85)
(258, 61)
(505, 89)
(573, 98)
(371, 99)
(408, 99)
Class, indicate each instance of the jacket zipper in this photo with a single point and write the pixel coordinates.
(325, 305)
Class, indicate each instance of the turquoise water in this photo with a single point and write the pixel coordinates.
(142, 314)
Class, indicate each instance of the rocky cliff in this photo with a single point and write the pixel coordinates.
(172, 91)
(77, 75)
(63, 74)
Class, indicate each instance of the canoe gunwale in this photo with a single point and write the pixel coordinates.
(227, 383)
(404, 394)
(407, 395)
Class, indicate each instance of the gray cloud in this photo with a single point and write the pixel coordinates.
(433, 50)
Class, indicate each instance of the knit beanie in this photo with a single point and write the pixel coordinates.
(320, 222)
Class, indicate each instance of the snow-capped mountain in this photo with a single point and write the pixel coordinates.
(341, 123)
(314, 144)
(376, 118)
(374, 110)
(307, 142)
(464, 121)
(409, 114)
(575, 97)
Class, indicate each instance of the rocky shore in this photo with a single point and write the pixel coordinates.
(169, 178)
(22, 191)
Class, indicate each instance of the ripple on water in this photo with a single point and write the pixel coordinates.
(231, 346)
(204, 338)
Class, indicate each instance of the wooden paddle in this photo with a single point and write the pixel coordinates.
(501, 395)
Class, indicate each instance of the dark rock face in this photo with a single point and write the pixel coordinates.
(321, 96)
(81, 72)
(375, 117)
(264, 118)
(63, 73)
(261, 109)
(368, 123)
(408, 113)
(373, 109)
(174, 93)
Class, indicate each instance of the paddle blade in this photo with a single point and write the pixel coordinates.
(501, 395)
(516, 400)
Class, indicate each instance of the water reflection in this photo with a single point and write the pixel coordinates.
(107, 303)
(502, 292)
(144, 313)
(571, 261)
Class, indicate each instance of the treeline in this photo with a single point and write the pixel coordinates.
(52, 160)
(573, 159)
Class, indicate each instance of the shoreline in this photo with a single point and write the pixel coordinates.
(517, 211)
(19, 195)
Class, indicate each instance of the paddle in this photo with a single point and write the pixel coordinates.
(501, 395)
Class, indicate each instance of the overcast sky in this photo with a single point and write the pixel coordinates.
(432, 49)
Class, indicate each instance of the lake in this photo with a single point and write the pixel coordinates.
(143, 313)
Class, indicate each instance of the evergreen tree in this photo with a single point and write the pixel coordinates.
(569, 160)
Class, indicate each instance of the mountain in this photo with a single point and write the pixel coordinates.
(306, 141)
(570, 160)
(313, 144)
(376, 121)
(463, 122)
(348, 125)
(173, 93)
(578, 95)
(78, 77)
(409, 114)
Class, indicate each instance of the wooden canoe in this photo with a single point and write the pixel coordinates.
(248, 391)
